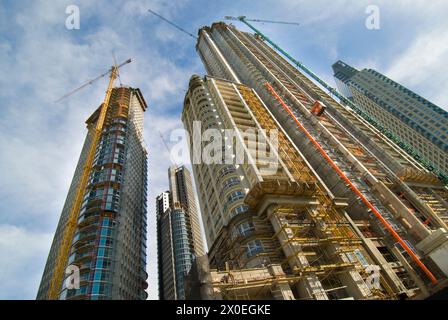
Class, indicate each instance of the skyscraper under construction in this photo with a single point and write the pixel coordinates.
(345, 200)
(108, 245)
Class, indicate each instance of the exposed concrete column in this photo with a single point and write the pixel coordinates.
(309, 286)
(207, 291)
(436, 247)
(280, 291)
(413, 224)
(411, 272)
(354, 283)
(218, 54)
(386, 270)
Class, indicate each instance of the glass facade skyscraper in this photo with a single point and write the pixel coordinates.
(109, 244)
(179, 238)
(183, 253)
(417, 121)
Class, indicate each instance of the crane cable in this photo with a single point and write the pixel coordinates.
(173, 24)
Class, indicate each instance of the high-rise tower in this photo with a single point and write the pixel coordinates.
(109, 244)
(183, 196)
(397, 208)
(179, 239)
(417, 121)
(270, 217)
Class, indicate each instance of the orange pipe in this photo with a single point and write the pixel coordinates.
(356, 190)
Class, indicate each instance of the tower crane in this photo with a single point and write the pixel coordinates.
(403, 145)
(70, 227)
(227, 18)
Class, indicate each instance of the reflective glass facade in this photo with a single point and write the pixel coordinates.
(109, 244)
(179, 238)
(417, 121)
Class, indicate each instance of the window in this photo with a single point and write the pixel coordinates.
(253, 248)
(97, 288)
(101, 252)
(245, 228)
(82, 290)
(239, 209)
(361, 257)
(231, 182)
(351, 257)
(234, 196)
(97, 276)
(226, 171)
(387, 254)
(99, 263)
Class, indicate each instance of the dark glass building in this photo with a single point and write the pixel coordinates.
(179, 238)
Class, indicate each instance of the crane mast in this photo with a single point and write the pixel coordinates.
(70, 227)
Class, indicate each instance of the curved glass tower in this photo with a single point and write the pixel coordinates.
(109, 245)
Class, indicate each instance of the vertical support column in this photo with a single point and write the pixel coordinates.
(310, 286)
(280, 291)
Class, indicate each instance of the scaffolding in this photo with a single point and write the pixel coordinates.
(322, 229)
(386, 150)
(375, 168)
(371, 206)
(378, 167)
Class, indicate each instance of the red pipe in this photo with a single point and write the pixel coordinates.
(353, 187)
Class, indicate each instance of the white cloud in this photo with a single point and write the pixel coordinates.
(41, 61)
(22, 259)
(424, 65)
(41, 140)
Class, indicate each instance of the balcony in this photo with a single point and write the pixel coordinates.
(88, 218)
(84, 236)
(80, 257)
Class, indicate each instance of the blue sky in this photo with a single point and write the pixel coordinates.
(41, 60)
